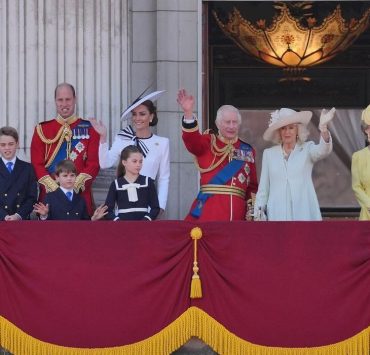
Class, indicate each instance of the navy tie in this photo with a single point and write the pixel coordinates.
(9, 165)
(69, 195)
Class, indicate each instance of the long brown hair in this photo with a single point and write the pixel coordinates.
(125, 154)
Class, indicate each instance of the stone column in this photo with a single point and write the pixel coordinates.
(164, 47)
(46, 42)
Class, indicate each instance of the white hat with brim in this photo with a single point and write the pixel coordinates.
(152, 97)
(284, 117)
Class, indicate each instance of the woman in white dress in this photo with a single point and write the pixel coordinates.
(286, 191)
(155, 149)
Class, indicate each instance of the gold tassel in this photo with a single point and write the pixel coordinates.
(196, 285)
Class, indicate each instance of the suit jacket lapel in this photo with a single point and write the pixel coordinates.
(63, 198)
(17, 169)
(6, 177)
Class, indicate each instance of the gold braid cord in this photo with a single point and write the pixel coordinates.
(64, 132)
(196, 286)
(80, 182)
(223, 153)
(49, 183)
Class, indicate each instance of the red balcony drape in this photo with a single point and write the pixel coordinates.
(110, 284)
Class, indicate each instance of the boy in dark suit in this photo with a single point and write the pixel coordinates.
(18, 185)
(64, 203)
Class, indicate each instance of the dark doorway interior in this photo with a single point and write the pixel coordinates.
(256, 88)
(239, 79)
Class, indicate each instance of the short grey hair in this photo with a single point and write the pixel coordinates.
(227, 108)
(302, 133)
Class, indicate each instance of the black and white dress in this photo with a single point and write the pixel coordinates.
(156, 162)
(132, 201)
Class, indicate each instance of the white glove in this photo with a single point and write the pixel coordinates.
(260, 215)
(325, 118)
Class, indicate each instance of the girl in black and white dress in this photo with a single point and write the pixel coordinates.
(132, 196)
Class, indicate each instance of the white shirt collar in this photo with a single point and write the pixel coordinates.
(7, 161)
(66, 190)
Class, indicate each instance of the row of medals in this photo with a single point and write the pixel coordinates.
(78, 133)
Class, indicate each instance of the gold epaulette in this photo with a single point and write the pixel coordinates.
(80, 182)
(49, 183)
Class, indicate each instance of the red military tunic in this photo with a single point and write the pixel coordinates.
(212, 154)
(59, 139)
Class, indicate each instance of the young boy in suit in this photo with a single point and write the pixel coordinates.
(64, 203)
(18, 185)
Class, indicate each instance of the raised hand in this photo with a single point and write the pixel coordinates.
(325, 118)
(100, 128)
(186, 101)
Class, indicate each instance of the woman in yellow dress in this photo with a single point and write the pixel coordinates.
(361, 170)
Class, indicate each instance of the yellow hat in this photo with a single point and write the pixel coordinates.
(366, 115)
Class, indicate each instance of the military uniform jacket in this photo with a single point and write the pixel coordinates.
(73, 139)
(223, 206)
(144, 204)
(61, 208)
(18, 189)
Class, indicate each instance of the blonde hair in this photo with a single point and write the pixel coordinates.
(302, 133)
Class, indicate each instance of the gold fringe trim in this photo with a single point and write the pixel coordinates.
(193, 322)
(196, 286)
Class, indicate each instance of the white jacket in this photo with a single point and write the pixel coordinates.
(286, 189)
